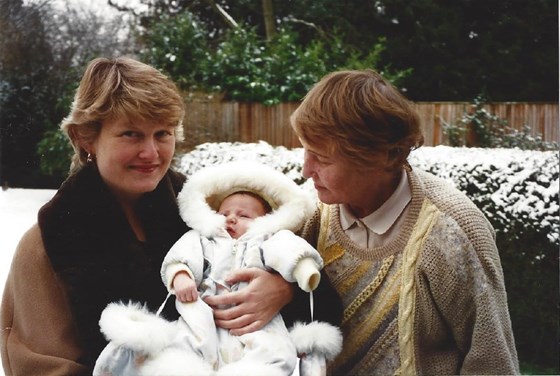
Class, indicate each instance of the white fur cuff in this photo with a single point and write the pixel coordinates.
(135, 327)
(317, 337)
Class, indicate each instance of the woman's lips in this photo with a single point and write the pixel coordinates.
(318, 187)
(145, 168)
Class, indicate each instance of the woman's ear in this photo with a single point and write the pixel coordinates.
(79, 140)
(395, 157)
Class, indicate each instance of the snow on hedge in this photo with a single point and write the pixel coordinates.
(518, 190)
(514, 188)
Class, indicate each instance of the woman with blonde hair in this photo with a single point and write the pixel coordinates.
(103, 236)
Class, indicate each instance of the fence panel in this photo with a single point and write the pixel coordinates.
(213, 120)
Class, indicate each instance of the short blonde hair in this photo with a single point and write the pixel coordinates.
(357, 114)
(120, 88)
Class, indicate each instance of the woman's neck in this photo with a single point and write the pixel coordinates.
(133, 219)
(375, 195)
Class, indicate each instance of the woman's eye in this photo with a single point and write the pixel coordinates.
(325, 160)
(319, 158)
(164, 134)
(130, 134)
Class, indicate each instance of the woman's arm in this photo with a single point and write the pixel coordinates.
(463, 284)
(38, 333)
(255, 305)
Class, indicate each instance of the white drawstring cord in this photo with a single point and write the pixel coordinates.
(311, 303)
(163, 304)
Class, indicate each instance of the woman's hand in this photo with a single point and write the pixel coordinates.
(253, 306)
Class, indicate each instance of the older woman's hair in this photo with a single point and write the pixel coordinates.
(120, 88)
(358, 115)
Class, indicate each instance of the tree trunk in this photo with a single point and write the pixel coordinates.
(268, 14)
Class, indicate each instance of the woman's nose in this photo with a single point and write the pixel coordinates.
(307, 170)
(149, 149)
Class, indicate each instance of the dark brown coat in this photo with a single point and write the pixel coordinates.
(80, 257)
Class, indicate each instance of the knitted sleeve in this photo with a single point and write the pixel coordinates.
(461, 298)
(310, 230)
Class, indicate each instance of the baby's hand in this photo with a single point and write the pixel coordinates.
(185, 288)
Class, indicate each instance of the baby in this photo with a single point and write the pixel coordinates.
(242, 215)
(240, 209)
(258, 210)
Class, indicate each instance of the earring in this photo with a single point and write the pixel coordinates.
(89, 158)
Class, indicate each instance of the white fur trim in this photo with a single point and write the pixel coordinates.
(133, 326)
(294, 204)
(175, 362)
(318, 338)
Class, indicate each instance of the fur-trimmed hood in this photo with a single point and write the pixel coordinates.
(202, 194)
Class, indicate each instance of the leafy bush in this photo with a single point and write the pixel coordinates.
(177, 45)
(244, 66)
(508, 185)
(55, 153)
(54, 148)
(288, 161)
(247, 68)
(477, 127)
(518, 192)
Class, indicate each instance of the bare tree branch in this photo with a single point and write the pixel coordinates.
(121, 8)
(306, 23)
(225, 15)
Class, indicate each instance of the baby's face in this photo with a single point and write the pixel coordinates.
(240, 210)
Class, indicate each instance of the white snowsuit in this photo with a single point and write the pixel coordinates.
(208, 254)
(208, 261)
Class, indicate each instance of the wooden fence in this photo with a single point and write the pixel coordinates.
(210, 120)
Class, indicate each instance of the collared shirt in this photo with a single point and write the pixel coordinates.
(378, 228)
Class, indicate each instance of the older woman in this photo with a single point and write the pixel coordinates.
(103, 236)
(413, 260)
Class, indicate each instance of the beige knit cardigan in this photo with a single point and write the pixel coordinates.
(432, 301)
